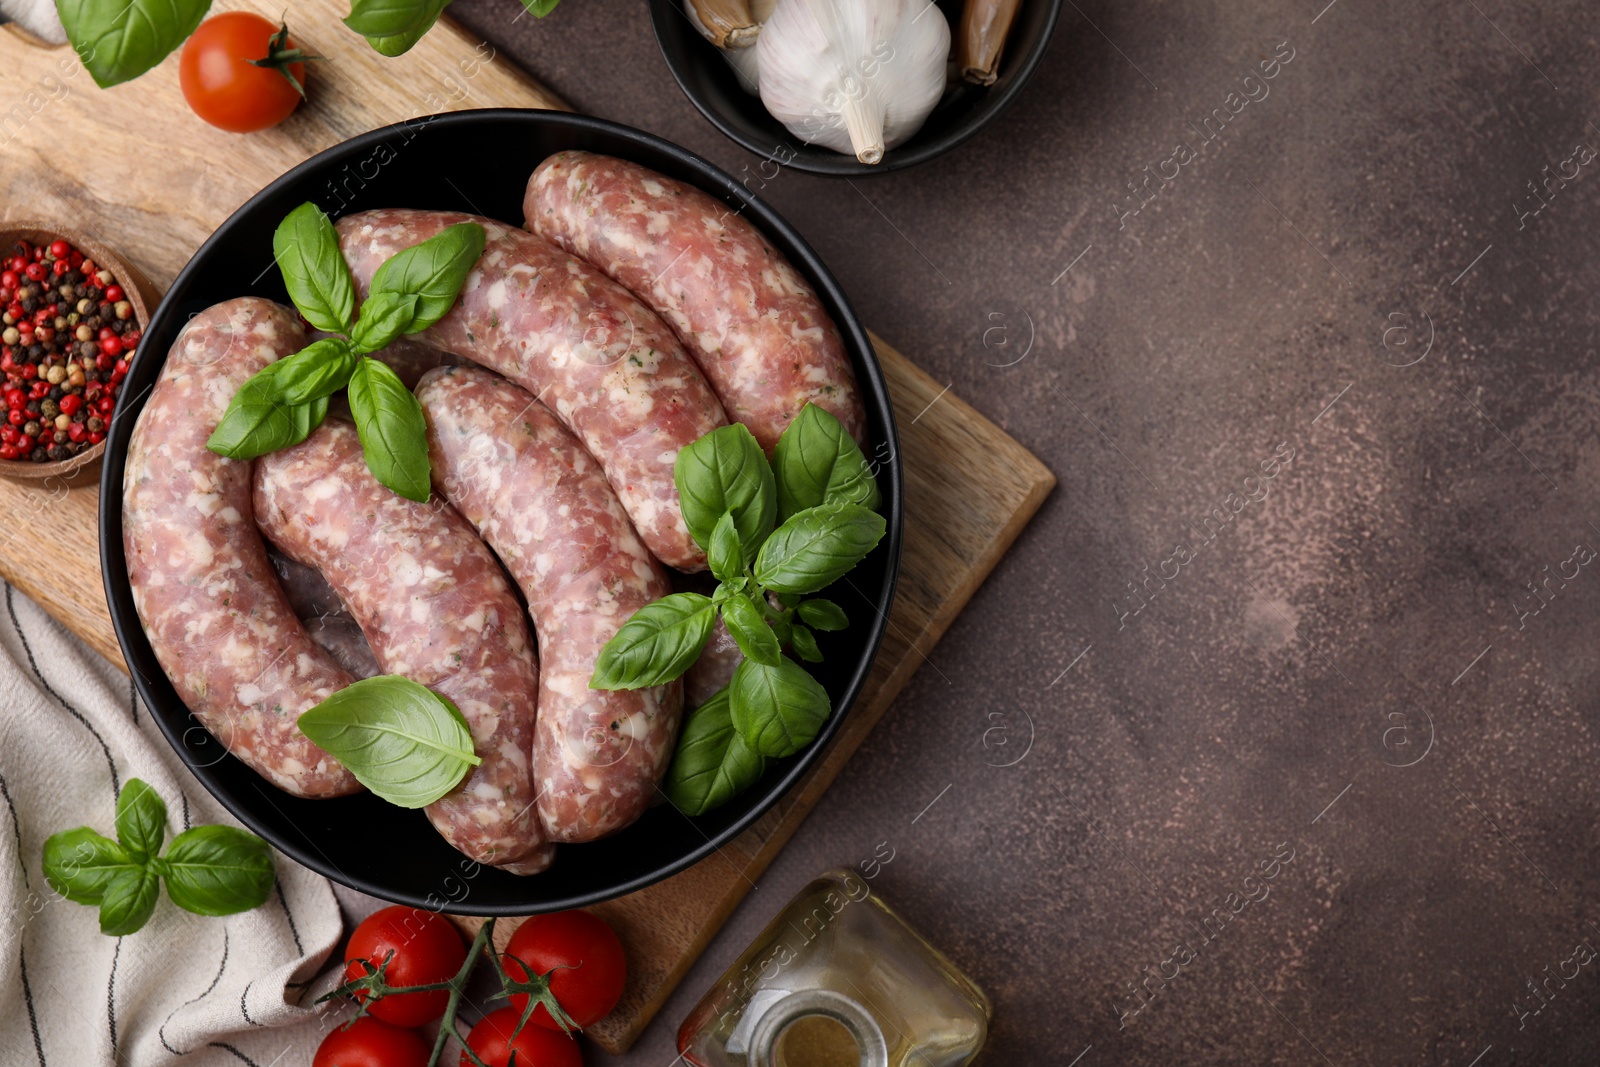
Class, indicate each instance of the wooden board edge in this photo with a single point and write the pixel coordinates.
(548, 100)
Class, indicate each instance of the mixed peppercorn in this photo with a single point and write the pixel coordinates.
(67, 333)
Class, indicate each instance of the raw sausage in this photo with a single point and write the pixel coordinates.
(602, 361)
(744, 313)
(435, 608)
(543, 505)
(203, 586)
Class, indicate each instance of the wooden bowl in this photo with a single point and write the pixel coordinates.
(83, 467)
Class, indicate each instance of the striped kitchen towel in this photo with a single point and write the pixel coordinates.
(207, 991)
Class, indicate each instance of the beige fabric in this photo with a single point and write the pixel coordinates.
(38, 17)
(204, 992)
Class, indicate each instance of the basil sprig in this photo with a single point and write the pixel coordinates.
(773, 533)
(286, 400)
(404, 742)
(209, 870)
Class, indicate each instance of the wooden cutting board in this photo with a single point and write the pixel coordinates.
(73, 153)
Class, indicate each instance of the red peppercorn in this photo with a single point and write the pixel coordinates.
(30, 371)
(120, 369)
(103, 361)
(70, 403)
(8, 451)
(96, 436)
(111, 346)
(113, 293)
(106, 333)
(17, 417)
(45, 334)
(39, 390)
(60, 249)
(77, 432)
(35, 272)
(60, 267)
(9, 279)
(105, 404)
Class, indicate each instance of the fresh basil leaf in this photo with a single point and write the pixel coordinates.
(804, 643)
(434, 271)
(713, 764)
(749, 628)
(317, 371)
(384, 317)
(258, 421)
(781, 628)
(540, 8)
(726, 471)
(306, 248)
(217, 870)
(394, 435)
(777, 710)
(657, 644)
(80, 863)
(816, 547)
(817, 462)
(141, 820)
(386, 18)
(120, 41)
(823, 615)
(399, 44)
(129, 900)
(725, 552)
(404, 742)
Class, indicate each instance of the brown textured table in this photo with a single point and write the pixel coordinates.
(1275, 688)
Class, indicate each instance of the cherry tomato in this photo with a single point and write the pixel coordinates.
(370, 1043)
(586, 961)
(221, 83)
(491, 1040)
(426, 950)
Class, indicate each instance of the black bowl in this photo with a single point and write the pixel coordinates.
(711, 85)
(438, 162)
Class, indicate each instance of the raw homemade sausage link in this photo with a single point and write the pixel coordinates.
(535, 495)
(205, 591)
(744, 313)
(436, 608)
(603, 362)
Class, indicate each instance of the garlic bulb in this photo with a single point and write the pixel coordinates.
(857, 76)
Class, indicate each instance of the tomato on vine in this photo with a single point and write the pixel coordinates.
(370, 1043)
(412, 948)
(571, 957)
(492, 1042)
(241, 72)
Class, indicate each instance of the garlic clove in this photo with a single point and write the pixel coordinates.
(725, 23)
(984, 27)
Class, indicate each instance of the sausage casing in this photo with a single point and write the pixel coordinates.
(204, 588)
(744, 313)
(435, 607)
(538, 499)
